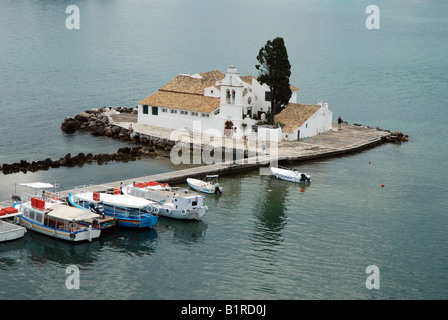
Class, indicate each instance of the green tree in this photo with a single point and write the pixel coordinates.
(275, 71)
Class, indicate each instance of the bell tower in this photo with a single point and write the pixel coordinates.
(231, 103)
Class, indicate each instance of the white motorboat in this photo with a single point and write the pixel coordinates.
(171, 202)
(10, 231)
(291, 175)
(208, 185)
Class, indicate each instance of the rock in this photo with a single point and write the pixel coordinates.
(70, 125)
(98, 132)
(124, 150)
(82, 118)
(56, 164)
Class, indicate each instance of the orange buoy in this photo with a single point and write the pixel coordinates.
(302, 190)
(382, 186)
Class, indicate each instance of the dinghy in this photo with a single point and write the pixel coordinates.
(208, 185)
(291, 175)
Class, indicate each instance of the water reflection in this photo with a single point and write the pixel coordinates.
(184, 232)
(131, 242)
(270, 214)
(43, 249)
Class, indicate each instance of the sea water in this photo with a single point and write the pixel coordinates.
(263, 238)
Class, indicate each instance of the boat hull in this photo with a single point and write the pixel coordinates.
(193, 214)
(143, 222)
(74, 236)
(9, 231)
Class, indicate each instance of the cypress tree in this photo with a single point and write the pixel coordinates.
(275, 71)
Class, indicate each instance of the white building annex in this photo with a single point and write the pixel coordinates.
(229, 105)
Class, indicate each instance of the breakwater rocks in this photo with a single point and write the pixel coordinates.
(394, 137)
(123, 154)
(397, 137)
(98, 122)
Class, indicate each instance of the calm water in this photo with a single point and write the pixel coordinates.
(263, 238)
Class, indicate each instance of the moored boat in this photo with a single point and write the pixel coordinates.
(129, 211)
(45, 212)
(208, 185)
(10, 231)
(291, 175)
(171, 202)
(58, 220)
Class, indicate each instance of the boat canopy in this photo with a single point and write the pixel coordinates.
(37, 185)
(122, 200)
(64, 212)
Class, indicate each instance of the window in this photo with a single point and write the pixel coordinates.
(145, 109)
(164, 110)
(184, 113)
(267, 96)
(216, 112)
(155, 111)
(194, 114)
(173, 111)
(206, 115)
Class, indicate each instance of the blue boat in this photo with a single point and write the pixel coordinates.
(130, 211)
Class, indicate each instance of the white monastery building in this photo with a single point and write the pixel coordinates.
(231, 105)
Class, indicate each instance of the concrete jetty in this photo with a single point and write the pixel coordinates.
(351, 138)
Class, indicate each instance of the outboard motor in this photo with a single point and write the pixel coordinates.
(304, 178)
(217, 189)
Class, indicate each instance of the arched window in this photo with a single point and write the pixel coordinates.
(228, 96)
(233, 96)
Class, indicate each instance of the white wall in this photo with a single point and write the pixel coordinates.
(175, 120)
(318, 123)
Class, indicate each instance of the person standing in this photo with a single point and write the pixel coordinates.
(339, 123)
